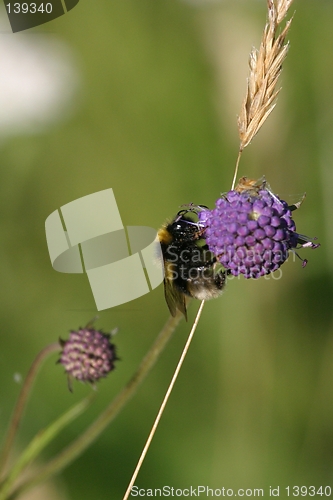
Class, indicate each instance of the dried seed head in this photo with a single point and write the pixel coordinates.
(87, 355)
(265, 68)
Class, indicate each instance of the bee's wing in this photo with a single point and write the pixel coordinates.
(173, 296)
(295, 206)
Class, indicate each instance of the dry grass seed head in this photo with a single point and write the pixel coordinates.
(265, 68)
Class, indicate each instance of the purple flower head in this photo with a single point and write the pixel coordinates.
(251, 230)
(87, 355)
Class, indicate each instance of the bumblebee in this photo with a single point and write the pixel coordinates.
(190, 269)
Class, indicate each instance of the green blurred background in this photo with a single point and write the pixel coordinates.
(152, 114)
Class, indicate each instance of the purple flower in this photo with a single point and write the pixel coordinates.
(251, 231)
(87, 355)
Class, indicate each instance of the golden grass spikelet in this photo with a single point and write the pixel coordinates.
(282, 7)
(265, 68)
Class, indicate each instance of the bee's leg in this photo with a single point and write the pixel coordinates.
(192, 208)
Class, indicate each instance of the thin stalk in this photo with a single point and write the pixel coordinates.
(236, 169)
(66, 456)
(164, 402)
(22, 401)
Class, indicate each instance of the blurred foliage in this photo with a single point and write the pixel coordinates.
(154, 119)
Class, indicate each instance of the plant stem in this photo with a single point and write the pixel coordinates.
(236, 169)
(94, 430)
(22, 401)
(164, 402)
(39, 442)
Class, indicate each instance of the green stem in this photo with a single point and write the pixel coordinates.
(96, 428)
(39, 442)
(22, 401)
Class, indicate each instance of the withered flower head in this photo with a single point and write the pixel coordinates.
(87, 355)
